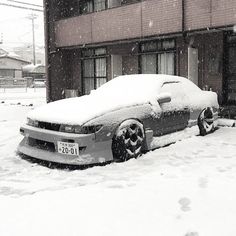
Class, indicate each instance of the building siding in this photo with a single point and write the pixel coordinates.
(197, 14)
(74, 31)
(115, 24)
(161, 17)
(224, 12)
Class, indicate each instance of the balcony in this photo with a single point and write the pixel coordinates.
(132, 21)
(209, 14)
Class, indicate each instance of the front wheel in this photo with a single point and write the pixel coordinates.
(206, 121)
(128, 141)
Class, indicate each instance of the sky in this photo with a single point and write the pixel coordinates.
(16, 28)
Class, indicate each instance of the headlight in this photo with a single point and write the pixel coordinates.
(67, 128)
(31, 122)
(80, 129)
(87, 129)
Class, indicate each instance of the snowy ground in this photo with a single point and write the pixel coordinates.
(185, 189)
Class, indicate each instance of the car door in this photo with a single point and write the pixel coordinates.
(175, 114)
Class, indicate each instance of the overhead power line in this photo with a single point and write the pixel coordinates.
(25, 3)
(21, 7)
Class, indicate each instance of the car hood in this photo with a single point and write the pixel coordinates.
(79, 110)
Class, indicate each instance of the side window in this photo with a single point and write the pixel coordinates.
(178, 93)
(174, 88)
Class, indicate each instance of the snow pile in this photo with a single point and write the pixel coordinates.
(185, 189)
(226, 122)
(174, 137)
(23, 96)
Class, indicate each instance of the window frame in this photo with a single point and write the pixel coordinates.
(159, 50)
(65, 13)
(93, 57)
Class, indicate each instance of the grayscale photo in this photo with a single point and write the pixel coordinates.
(117, 117)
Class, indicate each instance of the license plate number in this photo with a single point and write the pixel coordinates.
(68, 148)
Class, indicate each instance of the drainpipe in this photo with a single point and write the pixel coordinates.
(183, 20)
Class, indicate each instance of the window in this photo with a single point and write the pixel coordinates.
(85, 6)
(178, 92)
(94, 64)
(148, 64)
(166, 63)
(99, 5)
(158, 57)
(70, 8)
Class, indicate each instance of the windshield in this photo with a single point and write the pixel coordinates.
(135, 87)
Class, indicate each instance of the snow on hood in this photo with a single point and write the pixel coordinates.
(76, 111)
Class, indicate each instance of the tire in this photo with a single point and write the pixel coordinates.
(128, 141)
(206, 121)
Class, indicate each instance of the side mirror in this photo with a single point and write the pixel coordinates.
(164, 98)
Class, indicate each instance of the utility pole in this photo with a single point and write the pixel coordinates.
(32, 17)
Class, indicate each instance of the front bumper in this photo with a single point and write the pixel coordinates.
(42, 144)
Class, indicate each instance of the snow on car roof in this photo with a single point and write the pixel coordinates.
(123, 91)
(147, 84)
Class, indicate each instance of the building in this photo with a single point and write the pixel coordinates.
(37, 72)
(26, 53)
(89, 42)
(11, 66)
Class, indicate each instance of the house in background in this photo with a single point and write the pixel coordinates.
(25, 52)
(89, 42)
(11, 65)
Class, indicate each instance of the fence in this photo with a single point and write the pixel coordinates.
(20, 83)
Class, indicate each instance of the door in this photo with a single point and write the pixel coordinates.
(193, 65)
(230, 69)
(116, 65)
(174, 114)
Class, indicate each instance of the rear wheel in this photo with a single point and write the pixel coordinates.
(206, 121)
(128, 141)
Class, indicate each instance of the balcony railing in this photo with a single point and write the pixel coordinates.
(126, 22)
(142, 19)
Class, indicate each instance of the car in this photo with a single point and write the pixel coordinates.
(122, 119)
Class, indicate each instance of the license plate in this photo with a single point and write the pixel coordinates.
(68, 148)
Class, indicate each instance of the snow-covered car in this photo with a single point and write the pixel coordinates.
(120, 120)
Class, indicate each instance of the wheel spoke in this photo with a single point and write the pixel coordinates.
(133, 143)
(137, 150)
(131, 131)
(206, 124)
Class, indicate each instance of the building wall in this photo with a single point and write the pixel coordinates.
(161, 17)
(129, 55)
(61, 78)
(150, 19)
